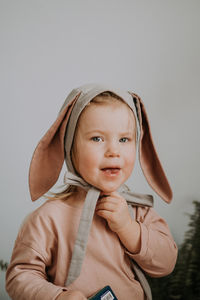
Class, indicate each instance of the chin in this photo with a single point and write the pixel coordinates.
(109, 190)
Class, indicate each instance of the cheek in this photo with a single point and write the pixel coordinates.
(130, 159)
(86, 161)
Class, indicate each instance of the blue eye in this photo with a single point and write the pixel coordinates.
(123, 140)
(97, 139)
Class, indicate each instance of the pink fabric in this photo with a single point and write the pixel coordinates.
(42, 253)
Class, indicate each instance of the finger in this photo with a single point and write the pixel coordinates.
(110, 206)
(105, 214)
(117, 200)
(113, 196)
(107, 200)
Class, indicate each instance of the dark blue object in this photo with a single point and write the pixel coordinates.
(104, 294)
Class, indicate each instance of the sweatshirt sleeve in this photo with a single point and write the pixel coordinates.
(158, 253)
(26, 277)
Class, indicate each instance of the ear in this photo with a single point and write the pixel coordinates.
(149, 160)
(48, 157)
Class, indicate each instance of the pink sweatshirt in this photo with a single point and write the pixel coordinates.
(43, 249)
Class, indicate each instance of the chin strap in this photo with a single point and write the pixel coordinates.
(80, 245)
(84, 225)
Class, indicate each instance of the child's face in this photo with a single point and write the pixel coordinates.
(105, 145)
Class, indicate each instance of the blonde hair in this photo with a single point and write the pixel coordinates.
(106, 98)
(103, 98)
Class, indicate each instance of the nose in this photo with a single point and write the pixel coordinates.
(112, 150)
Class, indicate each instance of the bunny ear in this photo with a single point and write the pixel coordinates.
(149, 160)
(48, 157)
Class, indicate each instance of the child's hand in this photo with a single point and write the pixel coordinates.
(71, 295)
(114, 209)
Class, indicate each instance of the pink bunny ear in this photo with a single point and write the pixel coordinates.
(48, 157)
(149, 160)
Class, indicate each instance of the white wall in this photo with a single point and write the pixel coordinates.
(49, 47)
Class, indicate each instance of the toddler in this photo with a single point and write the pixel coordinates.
(88, 235)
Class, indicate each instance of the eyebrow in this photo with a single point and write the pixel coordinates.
(94, 131)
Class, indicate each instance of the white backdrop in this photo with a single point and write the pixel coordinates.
(49, 47)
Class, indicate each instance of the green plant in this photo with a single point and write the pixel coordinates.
(183, 283)
(3, 265)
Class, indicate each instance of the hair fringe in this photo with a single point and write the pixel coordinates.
(109, 96)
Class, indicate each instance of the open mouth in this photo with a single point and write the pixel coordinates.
(111, 171)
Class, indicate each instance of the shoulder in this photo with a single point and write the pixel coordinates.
(52, 209)
(48, 210)
(42, 229)
(48, 219)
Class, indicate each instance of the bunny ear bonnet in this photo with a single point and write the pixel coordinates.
(55, 145)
